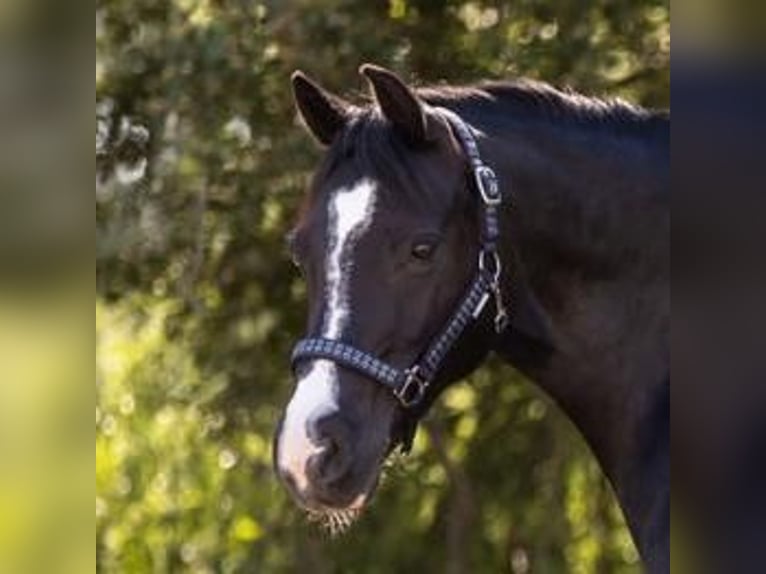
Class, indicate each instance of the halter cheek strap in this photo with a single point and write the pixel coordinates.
(410, 385)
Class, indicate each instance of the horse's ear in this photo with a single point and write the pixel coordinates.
(324, 114)
(399, 104)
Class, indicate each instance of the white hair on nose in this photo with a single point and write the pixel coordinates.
(350, 213)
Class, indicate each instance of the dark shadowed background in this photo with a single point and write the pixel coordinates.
(198, 305)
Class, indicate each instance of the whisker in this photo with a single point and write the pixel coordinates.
(334, 522)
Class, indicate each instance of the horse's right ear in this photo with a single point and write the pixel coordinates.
(324, 114)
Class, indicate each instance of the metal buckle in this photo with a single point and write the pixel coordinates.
(413, 390)
(489, 187)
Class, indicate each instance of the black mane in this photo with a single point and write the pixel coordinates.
(539, 99)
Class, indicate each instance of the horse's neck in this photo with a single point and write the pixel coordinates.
(590, 223)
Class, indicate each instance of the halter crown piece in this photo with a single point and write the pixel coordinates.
(409, 385)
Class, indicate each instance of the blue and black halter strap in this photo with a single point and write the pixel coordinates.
(409, 385)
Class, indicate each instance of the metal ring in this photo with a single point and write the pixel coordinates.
(497, 266)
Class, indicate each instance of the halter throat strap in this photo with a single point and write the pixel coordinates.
(410, 385)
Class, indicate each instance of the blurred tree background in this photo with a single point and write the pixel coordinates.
(197, 304)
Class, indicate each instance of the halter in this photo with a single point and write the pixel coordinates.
(409, 385)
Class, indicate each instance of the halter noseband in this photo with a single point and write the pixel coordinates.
(409, 385)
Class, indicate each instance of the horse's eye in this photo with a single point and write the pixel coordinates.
(424, 251)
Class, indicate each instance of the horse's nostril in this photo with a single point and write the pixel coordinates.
(328, 467)
(333, 461)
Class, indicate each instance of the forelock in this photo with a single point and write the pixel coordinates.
(370, 146)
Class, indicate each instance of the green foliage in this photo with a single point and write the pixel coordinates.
(198, 304)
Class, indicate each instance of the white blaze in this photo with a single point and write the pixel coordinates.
(350, 212)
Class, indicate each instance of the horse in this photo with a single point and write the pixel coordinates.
(445, 223)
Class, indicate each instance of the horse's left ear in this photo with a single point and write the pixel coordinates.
(398, 102)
